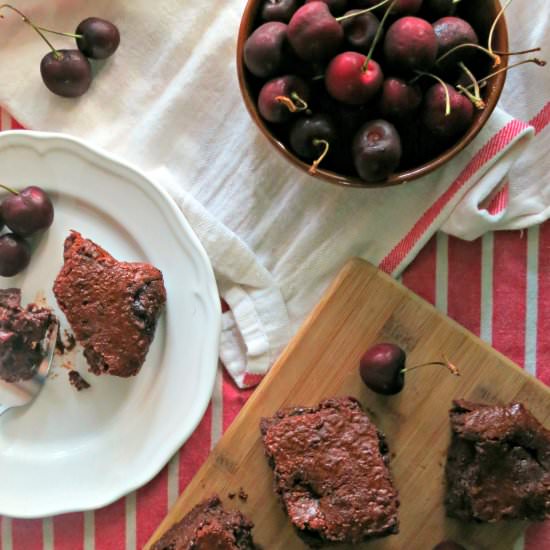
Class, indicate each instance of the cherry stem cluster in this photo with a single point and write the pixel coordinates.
(56, 54)
(475, 97)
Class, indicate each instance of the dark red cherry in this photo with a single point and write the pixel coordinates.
(434, 114)
(376, 150)
(307, 134)
(399, 99)
(15, 254)
(67, 73)
(278, 10)
(451, 32)
(264, 49)
(99, 38)
(348, 81)
(439, 8)
(410, 44)
(359, 31)
(381, 368)
(314, 33)
(281, 97)
(28, 211)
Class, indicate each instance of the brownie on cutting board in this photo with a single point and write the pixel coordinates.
(498, 465)
(330, 466)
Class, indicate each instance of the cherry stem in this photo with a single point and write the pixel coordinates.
(377, 36)
(56, 54)
(294, 103)
(530, 50)
(68, 34)
(453, 369)
(326, 145)
(361, 12)
(445, 89)
(475, 98)
(492, 54)
(535, 60)
(492, 31)
(9, 189)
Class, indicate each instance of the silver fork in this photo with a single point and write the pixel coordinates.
(18, 394)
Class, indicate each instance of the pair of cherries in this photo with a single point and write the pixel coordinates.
(25, 213)
(68, 72)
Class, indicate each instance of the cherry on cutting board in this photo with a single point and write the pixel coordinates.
(15, 254)
(27, 211)
(382, 368)
(97, 38)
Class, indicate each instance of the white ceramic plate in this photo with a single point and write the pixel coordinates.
(74, 450)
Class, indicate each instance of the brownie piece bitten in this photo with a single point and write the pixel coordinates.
(498, 465)
(112, 306)
(22, 331)
(208, 527)
(330, 467)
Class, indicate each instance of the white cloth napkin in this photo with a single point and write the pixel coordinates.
(168, 102)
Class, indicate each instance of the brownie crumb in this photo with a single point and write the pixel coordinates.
(231, 495)
(77, 381)
(243, 495)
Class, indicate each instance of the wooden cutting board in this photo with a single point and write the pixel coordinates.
(364, 306)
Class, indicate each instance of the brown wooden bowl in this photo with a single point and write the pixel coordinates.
(481, 12)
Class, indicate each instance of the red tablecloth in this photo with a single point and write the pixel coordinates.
(497, 287)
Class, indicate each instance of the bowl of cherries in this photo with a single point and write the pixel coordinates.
(367, 93)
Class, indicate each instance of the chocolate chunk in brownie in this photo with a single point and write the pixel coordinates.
(112, 306)
(498, 465)
(209, 527)
(77, 381)
(330, 467)
(22, 331)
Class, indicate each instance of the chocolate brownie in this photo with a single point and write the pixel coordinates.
(330, 467)
(208, 527)
(112, 306)
(77, 381)
(22, 331)
(498, 466)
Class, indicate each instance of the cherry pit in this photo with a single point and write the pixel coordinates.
(409, 74)
(68, 72)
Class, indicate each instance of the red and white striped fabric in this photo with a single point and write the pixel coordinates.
(497, 286)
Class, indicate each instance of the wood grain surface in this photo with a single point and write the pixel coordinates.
(364, 306)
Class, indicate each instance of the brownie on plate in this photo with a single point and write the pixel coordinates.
(22, 331)
(208, 527)
(498, 466)
(330, 467)
(112, 306)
